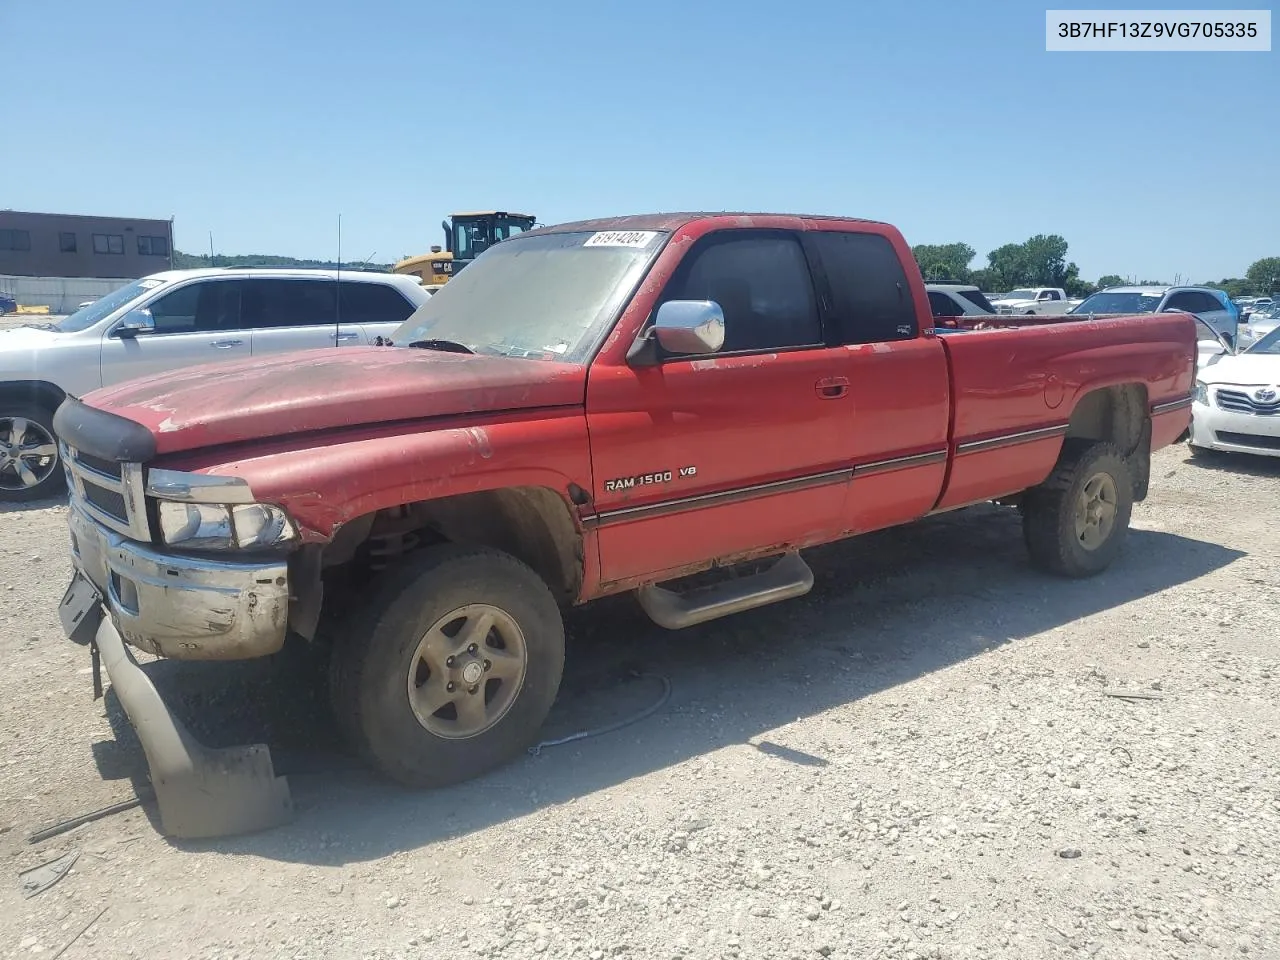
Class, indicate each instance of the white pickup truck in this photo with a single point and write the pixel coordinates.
(1045, 301)
(174, 319)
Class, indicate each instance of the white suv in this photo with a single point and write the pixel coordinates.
(176, 319)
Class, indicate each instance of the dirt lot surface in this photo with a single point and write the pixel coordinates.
(919, 759)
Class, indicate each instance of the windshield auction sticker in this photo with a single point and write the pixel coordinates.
(620, 238)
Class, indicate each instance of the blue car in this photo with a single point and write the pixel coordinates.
(1228, 304)
(8, 304)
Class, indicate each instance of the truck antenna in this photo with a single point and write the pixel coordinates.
(337, 292)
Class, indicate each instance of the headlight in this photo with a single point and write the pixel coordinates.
(215, 527)
(1201, 393)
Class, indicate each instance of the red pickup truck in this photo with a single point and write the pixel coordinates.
(589, 408)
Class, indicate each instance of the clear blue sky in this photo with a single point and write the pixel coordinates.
(264, 120)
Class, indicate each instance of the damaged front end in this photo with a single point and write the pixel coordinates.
(185, 566)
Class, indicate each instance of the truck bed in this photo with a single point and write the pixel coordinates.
(1015, 385)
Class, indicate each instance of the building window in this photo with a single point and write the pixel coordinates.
(153, 246)
(108, 243)
(67, 242)
(15, 240)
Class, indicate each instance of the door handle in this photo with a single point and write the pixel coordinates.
(831, 388)
(226, 344)
(344, 336)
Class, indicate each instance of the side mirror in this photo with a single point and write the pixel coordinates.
(689, 326)
(135, 322)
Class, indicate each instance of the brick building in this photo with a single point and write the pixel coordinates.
(66, 245)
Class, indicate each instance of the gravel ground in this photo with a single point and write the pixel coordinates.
(917, 760)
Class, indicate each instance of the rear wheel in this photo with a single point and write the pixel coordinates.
(454, 668)
(29, 462)
(1075, 523)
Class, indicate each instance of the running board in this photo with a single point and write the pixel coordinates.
(788, 578)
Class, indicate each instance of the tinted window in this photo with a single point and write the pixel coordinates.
(1193, 301)
(67, 242)
(940, 305)
(1207, 302)
(1118, 303)
(871, 298)
(198, 308)
(372, 303)
(288, 303)
(762, 284)
(978, 300)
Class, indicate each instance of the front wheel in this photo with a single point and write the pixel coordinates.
(1075, 523)
(29, 462)
(454, 668)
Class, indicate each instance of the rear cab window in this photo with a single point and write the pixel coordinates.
(871, 296)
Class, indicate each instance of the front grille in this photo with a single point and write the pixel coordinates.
(1249, 440)
(108, 468)
(108, 501)
(109, 492)
(1239, 401)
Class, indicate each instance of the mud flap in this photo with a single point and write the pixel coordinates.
(202, 792)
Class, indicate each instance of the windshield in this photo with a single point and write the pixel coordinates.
(86, 317)
(1020, 295)
(1270, 344)
(1119, 303)
(978, 300)
(547, 297)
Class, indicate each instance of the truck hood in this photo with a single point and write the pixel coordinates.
(290, 393)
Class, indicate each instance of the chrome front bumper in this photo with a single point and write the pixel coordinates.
(184, 607)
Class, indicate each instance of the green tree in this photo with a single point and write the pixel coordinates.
(945, 261)
(1233, 286)
(1006, 267)
(186, 261)
(1076, 287)
(1264, 274)
(1040, 261)
(1110, 280)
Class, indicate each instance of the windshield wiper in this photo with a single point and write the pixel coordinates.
(449, 346)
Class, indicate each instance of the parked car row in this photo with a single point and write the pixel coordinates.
(1251, 305)
(1210, 305)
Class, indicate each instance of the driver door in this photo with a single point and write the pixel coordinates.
(198, 322)
(700, 458)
